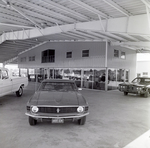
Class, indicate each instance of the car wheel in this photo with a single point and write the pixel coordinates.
(82, 120)
(19, 92)
(32, 121)
(146, 94)
(125, 93)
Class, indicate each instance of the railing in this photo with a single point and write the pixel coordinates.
(48, 59)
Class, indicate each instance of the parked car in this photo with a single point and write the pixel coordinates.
(57, 100)
(140, 85)
(9, 83)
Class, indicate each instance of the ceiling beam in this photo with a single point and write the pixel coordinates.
(85, 34)
(146, 37)
(117, 7)
(8, 4)
(80, 37)
(46, 11)
(14, 25)
(67, 10)
(111, 27)
(133, 44)
(128, 36)
(89, 8)
(115, 37)
(146, 2)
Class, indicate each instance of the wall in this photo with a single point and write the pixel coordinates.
(128, 63)
(143, 66)
(96, 59)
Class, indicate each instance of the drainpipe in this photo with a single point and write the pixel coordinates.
(106, 66)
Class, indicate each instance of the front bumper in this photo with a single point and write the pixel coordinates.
(78, 116)
(131, 89)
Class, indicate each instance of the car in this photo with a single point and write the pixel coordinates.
(140, 85)
(57, 100)
(10, 84)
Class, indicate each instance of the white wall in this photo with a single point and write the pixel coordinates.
(143, 66)
(128, 63)
(96, 59)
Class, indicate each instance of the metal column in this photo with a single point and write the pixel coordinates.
(106, 66)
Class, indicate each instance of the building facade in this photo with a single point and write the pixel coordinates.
(88, 63)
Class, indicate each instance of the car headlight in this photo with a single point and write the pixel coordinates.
(80, 109)
(35, 109)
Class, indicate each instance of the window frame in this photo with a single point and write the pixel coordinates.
(123, 56)
(84, 54)
(69, 55)
(116, 53)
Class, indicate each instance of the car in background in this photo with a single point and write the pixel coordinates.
(140, 85)
(10, 84)
(57, 100)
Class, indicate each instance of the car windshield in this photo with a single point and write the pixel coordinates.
(57, 86)
(142, 80)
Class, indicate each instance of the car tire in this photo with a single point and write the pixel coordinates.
(125, 93)
(19, 92)
(146, 94)
(32, 121)
(82, 120)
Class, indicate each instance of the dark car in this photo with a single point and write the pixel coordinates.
(140, 85)
(57, 101)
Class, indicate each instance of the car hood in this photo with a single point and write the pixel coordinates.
(133, 84)
(57, 98)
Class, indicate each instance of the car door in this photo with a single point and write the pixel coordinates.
(6, 82)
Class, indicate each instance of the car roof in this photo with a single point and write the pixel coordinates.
(58, 80)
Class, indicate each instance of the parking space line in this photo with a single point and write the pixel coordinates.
(141, 142)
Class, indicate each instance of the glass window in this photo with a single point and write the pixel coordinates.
(57, 86)
(69, 55)
(123, 55)
(23, 59)
(138, 74)
(4, 74)
(32, 58)
(85, 53)
(116, 53)
(48, 56)
(145, 73)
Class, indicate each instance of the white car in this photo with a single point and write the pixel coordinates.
(9, 84)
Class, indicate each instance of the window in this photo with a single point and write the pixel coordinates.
(4, 74)
(116, 53)
(138, 74)
(69, 55)
(145, 73)
(32, 58)
(123, 55)
(85, 53)
(23, 59)
(48, 56)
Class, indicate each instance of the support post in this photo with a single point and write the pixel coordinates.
(81, 78)
(106, 66)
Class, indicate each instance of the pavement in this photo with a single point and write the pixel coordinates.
(114, 121)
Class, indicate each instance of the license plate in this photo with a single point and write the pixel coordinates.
(57, 120)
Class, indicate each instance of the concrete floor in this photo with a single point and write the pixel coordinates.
(114, 121)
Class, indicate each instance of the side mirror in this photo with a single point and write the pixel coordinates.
(79, 88)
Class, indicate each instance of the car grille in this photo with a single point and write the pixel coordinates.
(57, 109)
